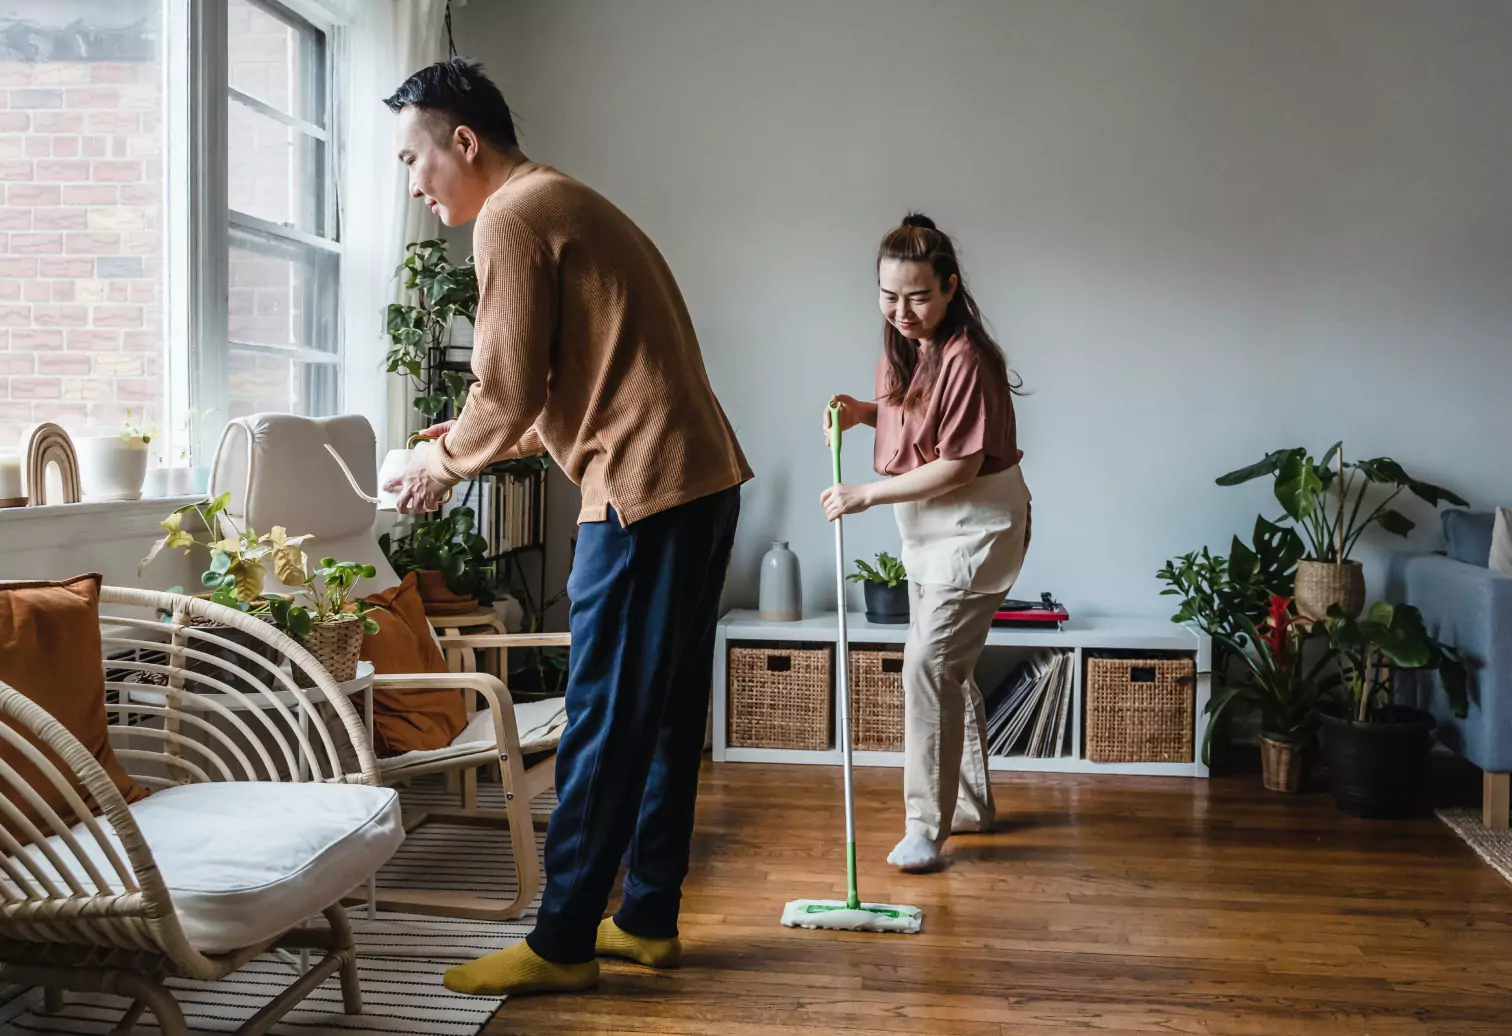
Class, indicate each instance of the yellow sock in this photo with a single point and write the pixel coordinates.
(517, 969)
(613, 941)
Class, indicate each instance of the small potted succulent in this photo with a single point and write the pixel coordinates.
(1327, 576)
(113, 467)
(449, 560)
(1377, 750)
(886, 590)
(330, 622)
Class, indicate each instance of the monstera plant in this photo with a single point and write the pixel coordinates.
(1364, 491)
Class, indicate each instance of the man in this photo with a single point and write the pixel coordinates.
(583, 348)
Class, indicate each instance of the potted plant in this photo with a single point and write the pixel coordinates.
(234, 577)
(1377, 750)
(1282, 687)
(420, 331)
(331, 621)
(1327, 576)
(449, 560)
(886, 590)
(113, 467)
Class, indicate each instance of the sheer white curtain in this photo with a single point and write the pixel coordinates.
(387, 41)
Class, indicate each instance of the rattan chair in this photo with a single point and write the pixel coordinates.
(278, 472)
(247, 773)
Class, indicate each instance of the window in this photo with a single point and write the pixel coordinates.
(109, 299)
(283, 301)
(82, 273)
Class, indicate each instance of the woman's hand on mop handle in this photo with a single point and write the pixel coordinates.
(845, 499)
(852, 412)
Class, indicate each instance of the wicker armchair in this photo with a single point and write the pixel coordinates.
(254, 826)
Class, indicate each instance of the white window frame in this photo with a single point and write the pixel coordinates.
(200, 219)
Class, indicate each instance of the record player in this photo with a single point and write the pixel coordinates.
(1045, 614)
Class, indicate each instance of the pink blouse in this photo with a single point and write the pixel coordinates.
(969, 410)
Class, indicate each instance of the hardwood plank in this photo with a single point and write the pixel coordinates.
(1107, 905)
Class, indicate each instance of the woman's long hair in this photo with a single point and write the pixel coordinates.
(912, 371)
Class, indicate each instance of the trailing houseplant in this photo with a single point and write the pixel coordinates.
(448, 558)
(235, 573)
(420, 330)
(1283, 686)
(323, 615)
(886, 588)
(1377, 750)
(1328, 576)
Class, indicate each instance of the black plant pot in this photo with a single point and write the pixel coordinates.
(887, 605)
(1376, 769)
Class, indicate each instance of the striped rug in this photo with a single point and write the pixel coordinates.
(401, 957)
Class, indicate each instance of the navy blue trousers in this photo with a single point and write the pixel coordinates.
(645, 603)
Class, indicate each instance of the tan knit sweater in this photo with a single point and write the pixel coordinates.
(584, 348)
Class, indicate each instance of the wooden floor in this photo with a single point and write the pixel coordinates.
(1104, 905)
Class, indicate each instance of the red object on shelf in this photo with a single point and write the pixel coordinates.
(1047, 613)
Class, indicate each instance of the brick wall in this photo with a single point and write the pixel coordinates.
(82, 275)
(81, 244)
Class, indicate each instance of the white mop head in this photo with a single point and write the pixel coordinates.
(835, 915)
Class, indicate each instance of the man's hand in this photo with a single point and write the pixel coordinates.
(845, 499)
(435, 431)
(418, 492)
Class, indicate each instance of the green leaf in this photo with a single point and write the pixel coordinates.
(210, 579)
(1395, 522)
(1298, 486)
(1268, 466)
(430, 406)
(220, 562)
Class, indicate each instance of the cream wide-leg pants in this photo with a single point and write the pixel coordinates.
(963, 552)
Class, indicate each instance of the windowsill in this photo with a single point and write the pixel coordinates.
(60, 525)
(125, 509)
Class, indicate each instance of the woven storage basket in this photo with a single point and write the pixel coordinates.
(336, 646)
(780, 697)
(1139, 710)
(876, 693)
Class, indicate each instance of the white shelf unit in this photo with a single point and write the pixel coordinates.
(1079, 636)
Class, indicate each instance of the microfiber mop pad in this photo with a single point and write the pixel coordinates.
(866, 917)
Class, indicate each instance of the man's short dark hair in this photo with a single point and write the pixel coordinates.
(458, 91)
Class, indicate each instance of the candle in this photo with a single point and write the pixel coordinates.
(10, 481)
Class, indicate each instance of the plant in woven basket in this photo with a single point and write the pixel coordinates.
(1281, 686)
(1327, 576)
(331, 621)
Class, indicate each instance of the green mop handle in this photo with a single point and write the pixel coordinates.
(842, 672)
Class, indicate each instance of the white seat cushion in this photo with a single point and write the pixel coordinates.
(540, 724)
(246, 861)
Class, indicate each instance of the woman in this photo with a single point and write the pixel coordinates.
(946, 444)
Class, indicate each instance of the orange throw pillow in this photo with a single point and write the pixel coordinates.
(50, 652)
(409, 719)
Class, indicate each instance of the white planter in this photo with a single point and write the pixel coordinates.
(111, 468)
(188, 481)
(157, 484)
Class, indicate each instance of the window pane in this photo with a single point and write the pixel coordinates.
(278, 60)
(282, 293)
(260, 383)
(277, 173)
(81, 276)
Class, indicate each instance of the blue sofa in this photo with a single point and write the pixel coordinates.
(1467, 605)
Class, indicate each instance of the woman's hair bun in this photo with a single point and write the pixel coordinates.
(918, 219)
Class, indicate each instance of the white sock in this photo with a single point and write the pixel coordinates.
(915, 853)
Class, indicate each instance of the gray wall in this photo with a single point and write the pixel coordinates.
(1201, 230)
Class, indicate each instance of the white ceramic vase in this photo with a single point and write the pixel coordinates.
(110, 467)
(781, 585)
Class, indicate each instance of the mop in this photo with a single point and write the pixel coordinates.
(852, 915)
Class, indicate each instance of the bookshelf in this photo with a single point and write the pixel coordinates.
(510, 501)
(1004, 647)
